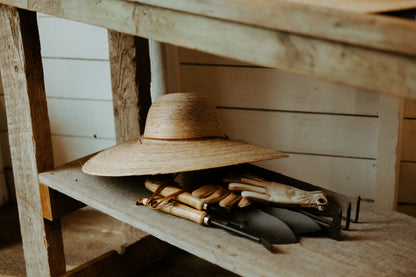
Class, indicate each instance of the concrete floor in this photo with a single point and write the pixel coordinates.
(87, 234)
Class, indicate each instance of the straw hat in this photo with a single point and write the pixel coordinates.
(182, 133)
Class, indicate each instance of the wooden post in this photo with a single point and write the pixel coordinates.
(389, 151)
(130, 79)
(30, 138)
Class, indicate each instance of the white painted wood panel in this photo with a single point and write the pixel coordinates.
(265, 88)
(69, 39)
(81, 118)
(322, 134)
(348, 176)
(67, 149)
(407, 188)
(83, 79)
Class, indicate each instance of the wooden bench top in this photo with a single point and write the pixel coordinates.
(382, 243)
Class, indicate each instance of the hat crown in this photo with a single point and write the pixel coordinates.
(182, 116)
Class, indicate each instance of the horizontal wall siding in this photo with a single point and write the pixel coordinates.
(77, 79)
(318, 134)
(329, 131)
(78, 87)
(62, 38)
(275, 89)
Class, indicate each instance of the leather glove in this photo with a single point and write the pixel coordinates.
(217, 194)
(261, 190)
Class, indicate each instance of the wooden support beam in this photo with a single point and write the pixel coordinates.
(355, 62)
(130, 79)
(389, 152)
(30, 138)
(56, 204)
(135, 258)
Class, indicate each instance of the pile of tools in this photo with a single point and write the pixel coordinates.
(264, 211)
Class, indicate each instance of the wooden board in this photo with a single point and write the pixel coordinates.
(80, 41)
(77, 79)
(69, 148)
(410, 109)
(305, 133)
(409, 139)
(308, 18)
(372, 247)
(28, 126)
(69, 118)
(361, 6)
(407, 189)
(348, 63)
(240, 86)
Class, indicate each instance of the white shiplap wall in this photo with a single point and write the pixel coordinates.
(78, 87)
(329, 130)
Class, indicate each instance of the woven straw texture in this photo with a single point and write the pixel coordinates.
(182, 133)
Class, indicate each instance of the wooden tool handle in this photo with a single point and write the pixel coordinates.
(184, 197)
(183, 211)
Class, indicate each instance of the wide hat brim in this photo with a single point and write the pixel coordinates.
(150, 157)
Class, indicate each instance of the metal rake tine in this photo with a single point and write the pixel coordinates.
(357, 211)
(347, 218)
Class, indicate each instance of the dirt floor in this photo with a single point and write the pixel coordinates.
(88, 233)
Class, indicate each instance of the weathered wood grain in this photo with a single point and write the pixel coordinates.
(28, 126)
(383, 71)
(373, 247)
(130, 78)
(310, 18)
(367, 6)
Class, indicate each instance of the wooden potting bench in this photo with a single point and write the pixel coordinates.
(349, 43)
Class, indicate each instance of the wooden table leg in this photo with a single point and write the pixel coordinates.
(30, 138)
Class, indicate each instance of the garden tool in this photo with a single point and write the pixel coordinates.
(202, 218)
(273, 192)
(253, 221)
(250, 219)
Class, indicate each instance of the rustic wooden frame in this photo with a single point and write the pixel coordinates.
(300, 41)
(28, 124)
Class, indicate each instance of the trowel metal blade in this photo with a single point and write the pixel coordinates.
(264, 225)
(297, 222)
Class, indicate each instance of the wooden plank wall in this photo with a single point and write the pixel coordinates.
(330, 131)
(78, 88)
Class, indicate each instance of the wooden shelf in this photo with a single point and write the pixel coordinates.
(382, 243)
